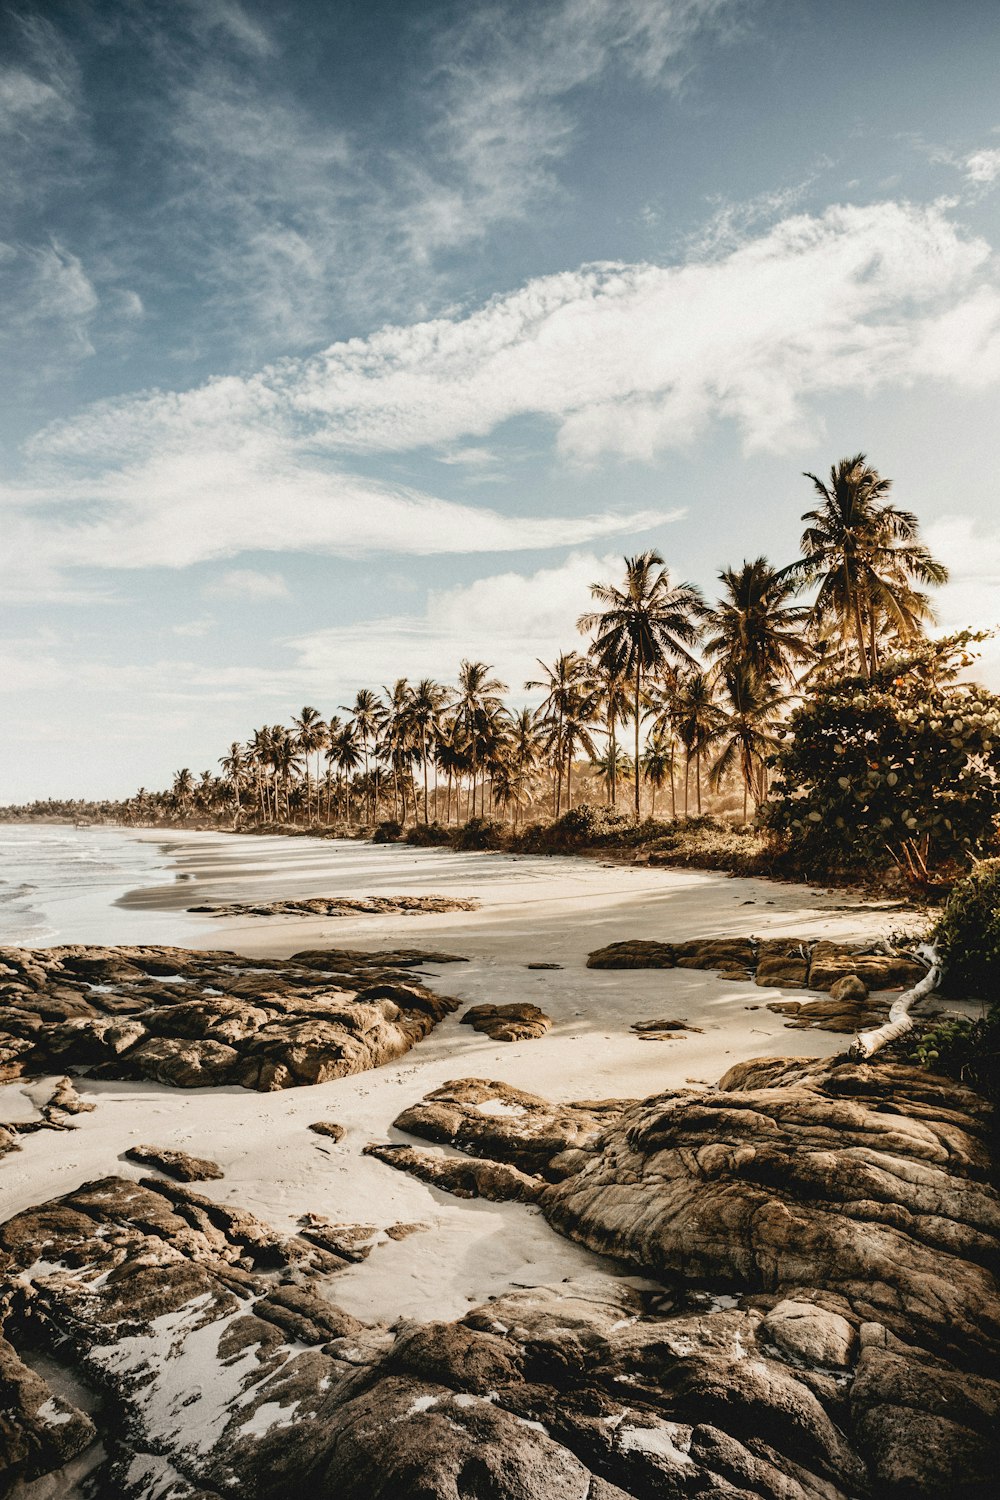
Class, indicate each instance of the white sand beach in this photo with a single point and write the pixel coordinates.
(533, 910)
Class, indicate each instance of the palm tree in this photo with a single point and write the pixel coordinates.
(427, 705)
(746, 732)
(312, 735)
(345, 753)
(235, 767)
(476, 708)
(753, 625)
(642, 626)
(864, 553)
(365, 713)
(658, 764)
(614, 696)
(183, 789)
(570, 699)
(696, 717)
(397, 744)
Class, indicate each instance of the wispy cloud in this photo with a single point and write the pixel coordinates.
(624, 361)
(247, 583)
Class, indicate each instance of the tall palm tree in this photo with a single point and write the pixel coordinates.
(697, 715)
(427, 705)
(754, 625)
(570, 699)
(311, 734)
(234, 764)
(345, 754)
(863, 552)
(642, 626)
(476, 707)
(182, 790)
(746, 732)
(365, 713)
(615, 699)
(658, 764)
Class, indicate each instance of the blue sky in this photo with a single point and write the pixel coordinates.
(342, 340)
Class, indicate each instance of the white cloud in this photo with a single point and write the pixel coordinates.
(194, 628)
(621, 360)
(983, 166)
(508, 619)
(247, 583)
(971, 598)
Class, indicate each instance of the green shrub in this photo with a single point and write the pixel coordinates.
(428, 835)
(968, 1051)
(389, 832)
(479, 833)
(903, 769)
(967, 935)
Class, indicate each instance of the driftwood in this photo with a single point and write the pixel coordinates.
(867, 1043)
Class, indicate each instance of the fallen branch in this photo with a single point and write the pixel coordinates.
(867, 1043)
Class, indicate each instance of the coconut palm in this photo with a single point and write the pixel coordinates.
(427, 706)
(345, 753)
(864, 553)
(365, 713)
(658, 765)
(311, 735)
(476, 709)
(234, 764)
(615, 700)
(570, 699)
(643, 626)
(746, 732)
(696, 716)
(754, 624)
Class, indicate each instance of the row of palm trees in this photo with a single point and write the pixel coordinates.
(694, 687)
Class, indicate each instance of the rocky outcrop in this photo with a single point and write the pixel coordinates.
(843, 1211)
(340, 906)
(57, 1114)
(661, 1031)
(195, 1019)
(176, 1164)
(519, 1022)
(847, 971)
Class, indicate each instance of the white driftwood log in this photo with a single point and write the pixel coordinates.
(867, 1043)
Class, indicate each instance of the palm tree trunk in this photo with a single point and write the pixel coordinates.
(614, 761)
(426, 818)
(673, 789)
(687, 780)
(697, 777)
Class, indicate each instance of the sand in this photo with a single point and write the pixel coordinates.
(534, 910)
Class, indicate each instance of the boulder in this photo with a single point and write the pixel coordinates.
(519, 1022)
(176, 1164)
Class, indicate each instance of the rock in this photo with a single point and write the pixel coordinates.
(39, 1431)
(811, 1333)
(879, 971)
(176, 1164)
(850, 987)
(661, 1031)
(340, 906)
(328, 1128)
(633, 954)
(849, 1014)
(196, 1019)
(543, 966)
(499, 1182)
(508, 1023)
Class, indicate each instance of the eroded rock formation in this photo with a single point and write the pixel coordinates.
(340, 906)
(519, 1022)
(194, 1019)
(845, 1213)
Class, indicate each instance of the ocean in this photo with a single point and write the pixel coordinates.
(59, 884)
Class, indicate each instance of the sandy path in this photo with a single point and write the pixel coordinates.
(533, 910)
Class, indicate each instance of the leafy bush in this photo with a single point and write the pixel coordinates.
(428, 835)
(904, 769)
(967, 935)
(389, 832)
(968, 1051)
(479, 833)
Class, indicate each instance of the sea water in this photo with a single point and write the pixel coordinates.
(59, 884)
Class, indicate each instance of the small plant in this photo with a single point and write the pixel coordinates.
(428, 835)
(967, 935)
(389, 832)
(480, 833)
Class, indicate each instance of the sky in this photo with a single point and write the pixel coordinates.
(343, 339)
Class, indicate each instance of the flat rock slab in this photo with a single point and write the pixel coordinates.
(519, 1022)
(176, 1164)
(660, 1031)
(197, 1019)
(340, 906)
(328, 1128)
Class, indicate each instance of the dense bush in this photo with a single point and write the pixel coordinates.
(904, 769)
(967, 935)
(428, 835)
(389, 832)
(968, 1051)
(479, 833)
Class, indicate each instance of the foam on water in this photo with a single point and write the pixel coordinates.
(60, 884)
